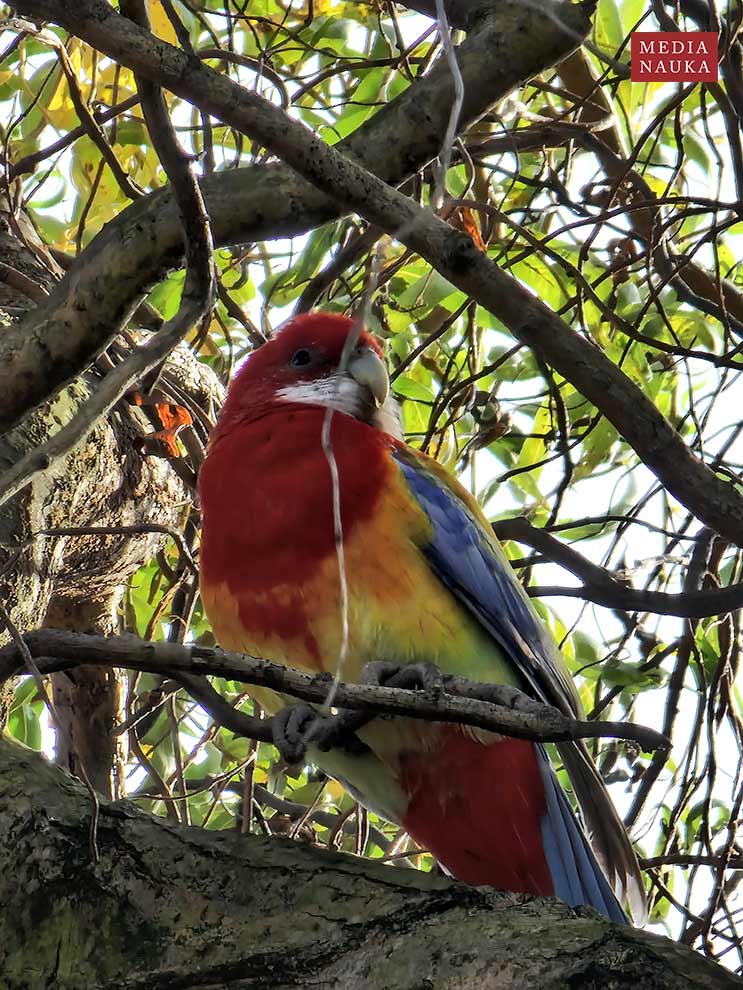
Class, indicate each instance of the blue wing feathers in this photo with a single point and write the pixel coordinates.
(476, 571)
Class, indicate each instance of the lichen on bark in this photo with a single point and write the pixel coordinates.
(172, 907)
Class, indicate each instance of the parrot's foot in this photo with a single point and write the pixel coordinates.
(297, 726)
(291, 729)
(502, 695)
(517, 701)
(412, 676)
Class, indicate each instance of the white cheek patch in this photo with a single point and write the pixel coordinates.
(343, 394)
(336, 392)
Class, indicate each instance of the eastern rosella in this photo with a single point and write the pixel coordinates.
(427, 581)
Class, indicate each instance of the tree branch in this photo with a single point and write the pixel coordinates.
(493, 707)
(103, 286)
(186, 907)
(602, 588)
(451, 252)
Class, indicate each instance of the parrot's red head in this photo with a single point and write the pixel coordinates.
(306, 363)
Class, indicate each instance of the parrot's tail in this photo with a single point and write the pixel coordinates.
(608, 836)
(495, 815)
(576, 873)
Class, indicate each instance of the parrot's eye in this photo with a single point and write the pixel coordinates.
(301, 358)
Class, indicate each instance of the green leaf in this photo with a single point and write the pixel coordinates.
(409, 388)
(24, 720)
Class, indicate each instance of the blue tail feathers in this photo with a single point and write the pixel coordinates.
(576, 874)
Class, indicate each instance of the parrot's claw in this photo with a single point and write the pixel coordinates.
(291, 728)
(523, 703)
(413, 676)
(298, 725)
(509, 697)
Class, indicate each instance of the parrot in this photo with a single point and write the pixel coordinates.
(423, 581)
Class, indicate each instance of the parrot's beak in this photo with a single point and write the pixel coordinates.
(367, 368)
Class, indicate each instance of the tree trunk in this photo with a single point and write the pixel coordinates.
(89, 701)
(173, 907)
(75, 582)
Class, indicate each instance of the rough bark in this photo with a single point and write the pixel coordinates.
(89, 701)
(105, 481)
(173, 907)
(75, 582)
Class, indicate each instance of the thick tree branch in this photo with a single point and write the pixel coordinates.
(175, 907)
(504, 710)
(451, 252)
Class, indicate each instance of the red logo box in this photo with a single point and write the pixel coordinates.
(674, 56)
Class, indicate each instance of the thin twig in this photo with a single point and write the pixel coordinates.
(602, 588)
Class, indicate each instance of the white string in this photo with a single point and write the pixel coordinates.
(352, 340)
(339, 551)
(442, 168)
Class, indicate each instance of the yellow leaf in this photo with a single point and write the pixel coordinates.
(334, 790)
(123, 79)
(324, 7)
(60, 96)
(60, 112)
(76, 58)
(161, 26)
(534, 449)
